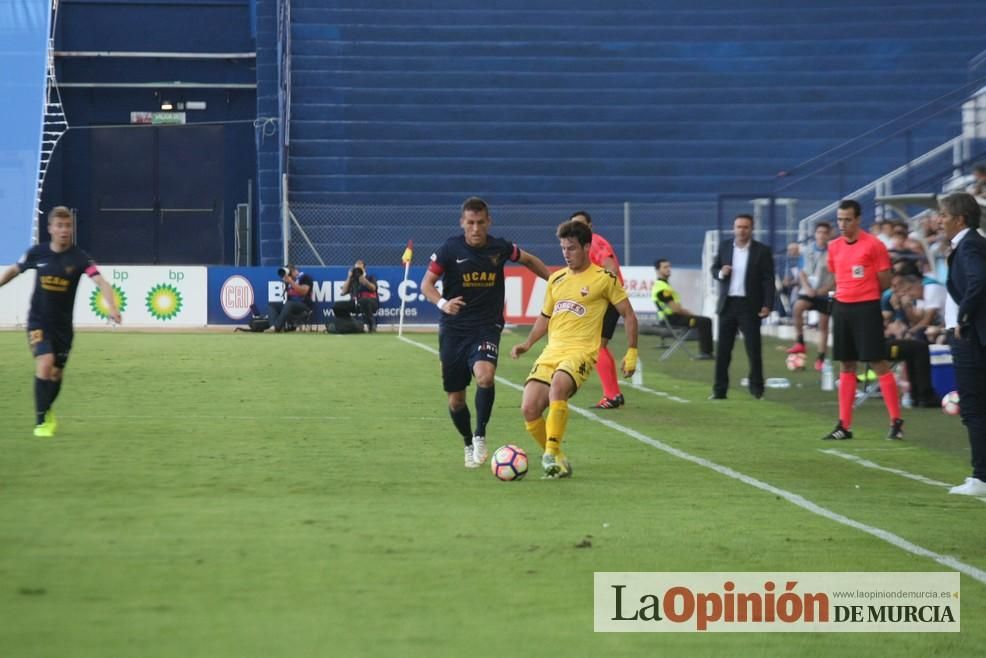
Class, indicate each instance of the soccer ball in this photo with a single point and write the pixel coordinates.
(796, 361)
(950, 403)
(509, 463)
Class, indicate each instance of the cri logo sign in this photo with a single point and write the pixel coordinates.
(236, 296)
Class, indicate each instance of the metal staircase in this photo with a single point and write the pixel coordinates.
(55, 122)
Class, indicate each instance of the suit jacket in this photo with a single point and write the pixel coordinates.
(967, 282)
(759, 275)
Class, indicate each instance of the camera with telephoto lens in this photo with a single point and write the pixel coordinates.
(357, 273)
(282, 272)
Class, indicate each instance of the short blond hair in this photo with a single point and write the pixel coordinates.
(59, 212)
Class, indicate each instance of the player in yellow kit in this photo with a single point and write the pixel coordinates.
(574, 306)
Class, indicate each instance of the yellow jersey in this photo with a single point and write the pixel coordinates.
(575, 305)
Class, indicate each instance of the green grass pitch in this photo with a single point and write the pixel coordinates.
(303, 495)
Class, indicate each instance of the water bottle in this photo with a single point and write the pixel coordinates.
(827, 381)
(637, 378)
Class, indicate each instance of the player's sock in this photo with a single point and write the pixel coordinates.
(847, 395)
(463, 422)
(537, 429)
(555, 426)
(607, 373)
(891, 398)
(821, 356)
(41, 399)
(54, 387)
(801, 339)
(484, 408)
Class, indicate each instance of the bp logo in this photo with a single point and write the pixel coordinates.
(98, 305)
(164, 302)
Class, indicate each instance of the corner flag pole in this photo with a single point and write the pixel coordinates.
(406, 259)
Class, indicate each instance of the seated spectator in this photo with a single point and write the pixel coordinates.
(892, 304)
(885, 231)
(816, 284)
(978, 186)
(913, 309)
(917, 361)
(668, 304)
(899, 247)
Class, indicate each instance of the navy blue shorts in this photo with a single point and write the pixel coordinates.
(50, 340)
(459, 353)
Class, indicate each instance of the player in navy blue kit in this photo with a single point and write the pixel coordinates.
(471, 269)
(60, 265)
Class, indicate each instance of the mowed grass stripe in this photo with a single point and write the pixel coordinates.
(793, 498)
(164, 536)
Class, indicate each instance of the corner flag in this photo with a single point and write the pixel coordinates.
(406, 259)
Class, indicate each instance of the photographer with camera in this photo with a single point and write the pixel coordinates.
(363, 289)
(297, 302)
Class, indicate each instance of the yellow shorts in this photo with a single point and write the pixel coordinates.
(578, 365)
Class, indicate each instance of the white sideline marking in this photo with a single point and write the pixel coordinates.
(638, 387)
(893, 449)
(896, 471)
(668, 396)
(793, 498)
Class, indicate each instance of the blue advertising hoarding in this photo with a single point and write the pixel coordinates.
(233, 289)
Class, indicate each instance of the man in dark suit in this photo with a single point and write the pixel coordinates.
(965, 323)
(744, 269)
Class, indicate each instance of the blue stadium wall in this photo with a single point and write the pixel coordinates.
(527, 102)
(396, 102)
(626, 100)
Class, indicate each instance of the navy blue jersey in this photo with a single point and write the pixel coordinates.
(475, 274)
(58, 278)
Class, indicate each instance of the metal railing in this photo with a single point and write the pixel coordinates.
(812, 190)
(640, 232)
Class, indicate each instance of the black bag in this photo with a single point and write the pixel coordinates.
(344, 326)
(259, 323)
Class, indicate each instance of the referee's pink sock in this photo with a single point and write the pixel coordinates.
(607, 373)
(888, 389)
(847, 395)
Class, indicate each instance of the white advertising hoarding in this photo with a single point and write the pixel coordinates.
(639, 280)
(147, 296)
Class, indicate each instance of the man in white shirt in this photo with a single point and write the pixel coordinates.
(744, 269)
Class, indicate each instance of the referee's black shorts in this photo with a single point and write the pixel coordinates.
(857, 332)
(610, 319)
